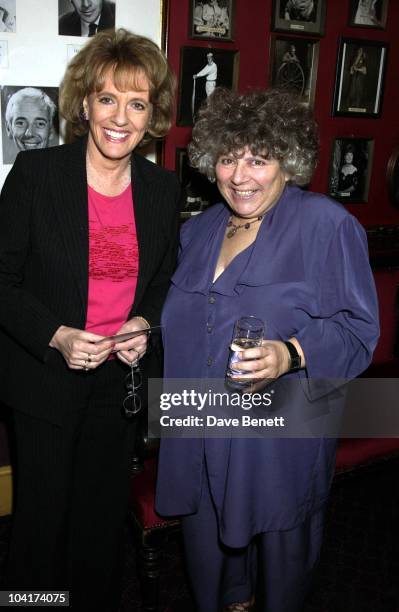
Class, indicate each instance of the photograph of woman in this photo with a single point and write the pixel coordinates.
(360, 77)
(350, 169)
(357, 80)
(348, 182)
(298, 261)
(88, 234)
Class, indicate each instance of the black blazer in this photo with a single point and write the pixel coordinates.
(69, 24)
(44, 266)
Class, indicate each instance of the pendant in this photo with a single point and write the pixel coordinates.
(232, 232)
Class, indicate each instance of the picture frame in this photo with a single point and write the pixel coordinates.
(368, 13)
(212, 67)
(393, 177)
(294, 63)
(212, 20)
(359, 81)
(350, 169)
(200, 193)
(290, 16)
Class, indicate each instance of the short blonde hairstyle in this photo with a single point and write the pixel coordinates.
(128, 56)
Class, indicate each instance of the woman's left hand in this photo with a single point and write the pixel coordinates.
(133, 349)
(270, 360)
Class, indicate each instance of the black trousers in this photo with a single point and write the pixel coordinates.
(71, 498)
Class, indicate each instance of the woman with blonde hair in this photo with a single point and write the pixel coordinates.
(87, 246)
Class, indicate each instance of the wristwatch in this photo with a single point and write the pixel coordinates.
(295, 358)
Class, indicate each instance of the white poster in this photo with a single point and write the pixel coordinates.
(34, 55)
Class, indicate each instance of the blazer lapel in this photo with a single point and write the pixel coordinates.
(70, 201)
(145, 214)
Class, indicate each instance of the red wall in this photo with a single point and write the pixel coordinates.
(252, 39)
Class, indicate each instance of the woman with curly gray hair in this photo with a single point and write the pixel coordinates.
(297, 261)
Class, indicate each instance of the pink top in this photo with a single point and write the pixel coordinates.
(113, 261)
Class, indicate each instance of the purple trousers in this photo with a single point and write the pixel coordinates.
(277, 566)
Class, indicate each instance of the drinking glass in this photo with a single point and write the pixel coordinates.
(248, 333)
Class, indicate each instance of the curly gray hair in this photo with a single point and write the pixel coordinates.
(271, 123)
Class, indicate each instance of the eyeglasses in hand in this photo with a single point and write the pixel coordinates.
(133, 381)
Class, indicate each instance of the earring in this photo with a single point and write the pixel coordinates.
(83, 115)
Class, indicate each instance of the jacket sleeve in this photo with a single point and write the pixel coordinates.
(151, 304)
(339, 340)
(22, 316)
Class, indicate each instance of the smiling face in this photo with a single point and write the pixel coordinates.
(348, 157)
(88, 10)
(249, 183)
(30, 124)
(117, 119)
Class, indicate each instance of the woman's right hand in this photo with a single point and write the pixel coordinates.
(81, 350)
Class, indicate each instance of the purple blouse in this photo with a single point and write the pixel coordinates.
(306, 275)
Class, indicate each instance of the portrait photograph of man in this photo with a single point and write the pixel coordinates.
(212, 19)
(85, 17)
(299, 10)
(202, 70)
(8, 19)
(294, 65)
(305, 16)
(29, 119)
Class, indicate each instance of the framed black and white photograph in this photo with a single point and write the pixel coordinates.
(202, 69)
(350, 169)
(8, 16)
(368, 13)
(29, 119)
(77, 18)
(393, 177)
(199, 192)
(213, 19)
(294, 64)
(359, 82)
(299, 16)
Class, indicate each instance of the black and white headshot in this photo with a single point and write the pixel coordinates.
(8, 16)
(29, 119)
(212, 19)
(368, 13)
(359, 84)
(304, 16)
(85, 17)
(200, 193)
(299, 10)
(350, 169)
(294, 65)
(202, 70)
